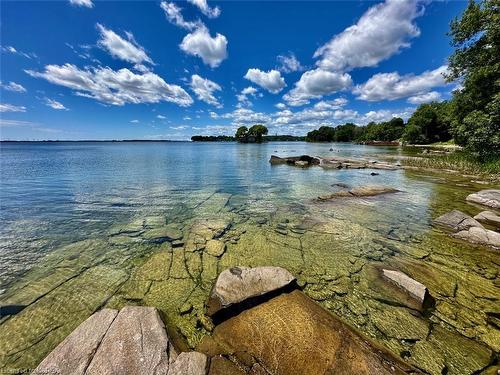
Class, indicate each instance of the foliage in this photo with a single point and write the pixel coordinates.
(257, 131)
(323, 134)
(430, 123)
(476, 61)
(461, 161)
(241, 133)
(212, 138)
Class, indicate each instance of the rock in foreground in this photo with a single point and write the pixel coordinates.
(300, 161)
(238, 284)
(489, 197)
(290, 334)
(416, 289)
(457, 220)
(362, 191)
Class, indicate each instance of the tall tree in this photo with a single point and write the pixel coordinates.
(476, 62)
(257, 131)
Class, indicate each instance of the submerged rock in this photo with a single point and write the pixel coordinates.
(215, 248)
(162, 234)
(414, 288)
(488, 217)
(457, 220)
(363, 191)
(238, 284)
(489, 197)
(480, 236)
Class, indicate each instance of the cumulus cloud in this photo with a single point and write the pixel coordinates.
(272, 80)
(205, 9)
(392, 86)
(116, 46)
(134, 121)
(281, 106)
(174, 16)
(212, 50)
(12, 86)
(385, 115)
(315, 84)
(116, 87)
(4, 107)
(331, 104)
(381, 32)
(289, 63)
(204, 90)
(245, 116)
(161, 117)
(243, 96)
(55, 104)
(425, 98)
(82, 3)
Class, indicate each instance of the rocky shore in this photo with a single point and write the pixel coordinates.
(269, 327)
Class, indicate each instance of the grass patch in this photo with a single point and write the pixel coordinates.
(458, 161)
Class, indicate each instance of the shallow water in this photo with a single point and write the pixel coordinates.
(76, 219)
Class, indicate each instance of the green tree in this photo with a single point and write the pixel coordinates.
(429, 123)
(345, 133)
(476, 61)
(323, 134)
(241, 133)
(256, 132)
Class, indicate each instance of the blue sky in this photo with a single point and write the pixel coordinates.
(85, 69)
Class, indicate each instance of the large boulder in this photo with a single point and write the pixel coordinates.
(292, 335)
(457, 221)
(301, 161)
(480, 236)
(136, 343)
(488, 217)
(238, 284)
(75, 352)
(489, 197)
(414, 288)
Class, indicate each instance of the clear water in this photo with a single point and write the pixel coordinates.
(60, 255)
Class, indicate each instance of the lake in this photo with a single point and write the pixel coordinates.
(78, 220)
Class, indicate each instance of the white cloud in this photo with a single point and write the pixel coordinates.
(213, 115)
(385, 115)
(205, 9)
(328, 105)
(212, 50)
(174, 16)
(425, 98)
(245, 116)
(272, 81)
(127, 50)
(116, 87)
(243, 96)
(280, 106)
(204, 89)
(12, 86)
(316, 83)
(161, 117)
(134, 121)
(4, 107)
(55, 104)
(289, 64)
(82, 3)
(185, 118)
(10, 49)
(391, 86)
(381, 32)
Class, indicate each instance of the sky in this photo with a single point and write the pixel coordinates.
(102, 70)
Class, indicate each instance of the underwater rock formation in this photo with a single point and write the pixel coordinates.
(489, 197)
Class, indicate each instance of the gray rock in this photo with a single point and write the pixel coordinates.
(237, 284)
(457, 220)
(489, 197)
(488, 217)
(414, 288)
(215, 248)
(480, 236)
(75, 352)
(301, 163)
(189, 363)
(136, 343)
